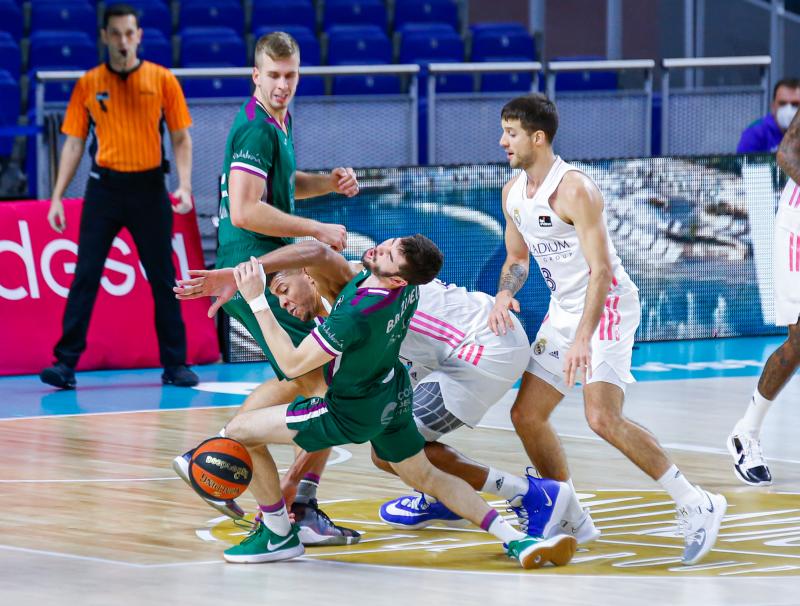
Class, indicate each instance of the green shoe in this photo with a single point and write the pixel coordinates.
(263, 545)
(535, 552)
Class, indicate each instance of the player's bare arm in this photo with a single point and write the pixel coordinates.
(789, 151)
(513, 274)
(294, 362)
(248, 212)
(340, 180)
(579, 202)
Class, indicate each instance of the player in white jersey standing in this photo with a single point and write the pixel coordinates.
(556, 213)
(744, 442)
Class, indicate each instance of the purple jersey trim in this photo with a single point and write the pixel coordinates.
(385, 302)
(301, 413)
(246, 170)
(250, 108)
(325, 346)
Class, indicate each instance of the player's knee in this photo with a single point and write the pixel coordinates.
(380, 463)
(238, 430)
(524, 414)
(600, 421)
(793, 341)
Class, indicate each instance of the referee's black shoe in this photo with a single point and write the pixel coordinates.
(59, 375)
(180, 376)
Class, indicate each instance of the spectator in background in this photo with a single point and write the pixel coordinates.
(765, 134)
(123, 102)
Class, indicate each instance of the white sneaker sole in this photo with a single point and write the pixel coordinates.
(309, 538)
(741, 477)
(260, 558)
(181, 467)
(720, 507)
(461, 523)
(558, 550)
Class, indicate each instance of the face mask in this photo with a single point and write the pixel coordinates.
(784, 115)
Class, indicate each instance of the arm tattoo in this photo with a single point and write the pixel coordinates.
(513, 279)
(789, 151)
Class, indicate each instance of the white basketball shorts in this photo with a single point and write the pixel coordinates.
(786, 258)
(479, 372)
(612, 342)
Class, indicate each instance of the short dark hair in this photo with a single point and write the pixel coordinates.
(787, 82)
(119, 10)
(423, 259)
(534, 112)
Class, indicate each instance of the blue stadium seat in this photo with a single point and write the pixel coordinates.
(309, 55)
(216, 87)
(53, 91)
(425, 11)
(380, 84)
(284, 12)
(354, 12)
(212, 46)
(153, 15)
(156, 48)
(62, 50)
(430, 44)
(514, 81)
(10, 56)
(353, 44)
(576, 81)
(502, 43)
(11, 18)
(67, 15)
(9, 109)
(212, 13)
(435, 44)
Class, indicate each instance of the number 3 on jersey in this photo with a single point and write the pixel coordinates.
(548, 278)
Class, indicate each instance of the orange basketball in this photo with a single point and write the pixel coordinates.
(220, 469)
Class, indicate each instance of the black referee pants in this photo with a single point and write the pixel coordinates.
(138, 201)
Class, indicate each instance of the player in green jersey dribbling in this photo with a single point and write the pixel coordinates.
(369, 399)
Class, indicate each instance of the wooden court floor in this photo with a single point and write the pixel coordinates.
(92, 513)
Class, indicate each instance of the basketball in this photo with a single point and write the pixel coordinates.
(220, 469)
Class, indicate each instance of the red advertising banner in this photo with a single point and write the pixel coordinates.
(36, 269)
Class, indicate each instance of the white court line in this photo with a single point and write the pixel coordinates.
(667, 445)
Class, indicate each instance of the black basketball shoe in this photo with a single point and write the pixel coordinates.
(748, 462)
(316, 528)
(59, 375)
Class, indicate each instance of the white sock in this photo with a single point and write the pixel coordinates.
(494, 523)
(276, 518)
(576, 502)
(221, 433)
(679, 488)
(504, 484)
(754, 415)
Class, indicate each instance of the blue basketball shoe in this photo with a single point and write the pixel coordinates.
(230, 508)
(542, 508)
(415, 512)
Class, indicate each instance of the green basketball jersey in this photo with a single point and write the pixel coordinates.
(364, 331)
(257, 145)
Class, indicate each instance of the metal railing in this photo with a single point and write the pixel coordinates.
(533, 67)
(307, 137)
(762, 62)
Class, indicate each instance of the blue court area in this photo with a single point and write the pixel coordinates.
(228, 384)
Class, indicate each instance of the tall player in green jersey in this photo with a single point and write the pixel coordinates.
(260, 183)
(369, 398)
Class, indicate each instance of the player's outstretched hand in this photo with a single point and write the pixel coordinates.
(218, 283)
(345, 181)
(333, 235)
(500, 318)
(578, 362)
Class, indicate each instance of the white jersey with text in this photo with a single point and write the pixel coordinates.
(554, 244)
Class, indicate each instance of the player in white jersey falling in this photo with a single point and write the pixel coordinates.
(458, 367)
(556, 213)
(744, 442)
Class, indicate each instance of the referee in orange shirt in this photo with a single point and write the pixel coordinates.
(124, 103)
